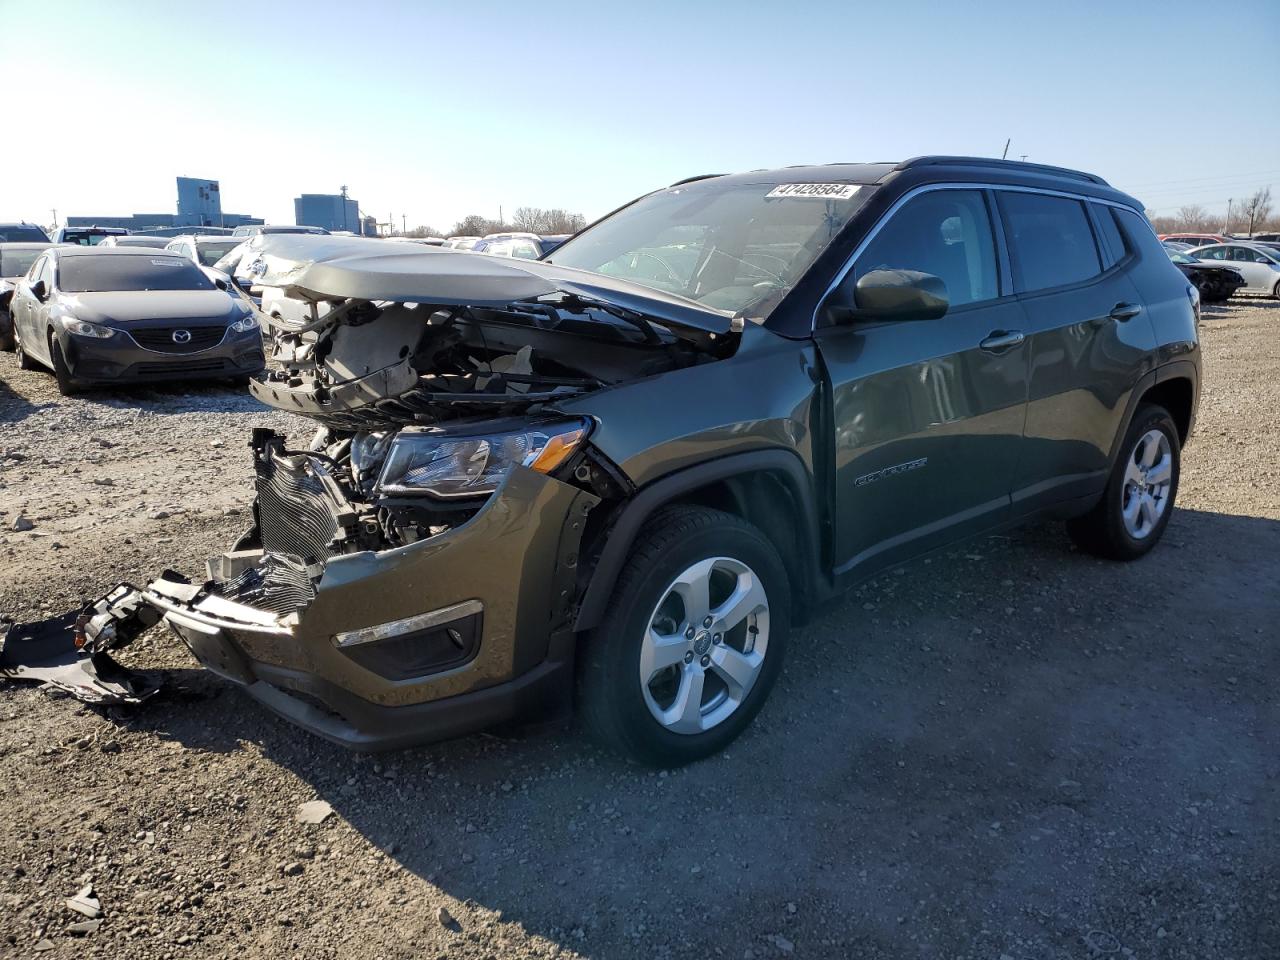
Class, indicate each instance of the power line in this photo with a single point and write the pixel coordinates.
(1221, 177)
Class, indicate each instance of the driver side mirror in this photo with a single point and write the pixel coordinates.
(39, 291)
(891, 295)
(221, 284)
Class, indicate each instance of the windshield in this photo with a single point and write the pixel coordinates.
(730, 246)
(85, 239)
(100, 273)
(227, 262)
(16, 233)
(211, 253)
(15, 263)
(1181, 257)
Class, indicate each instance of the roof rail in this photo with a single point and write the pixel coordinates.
(1001, 164)
(701, 176)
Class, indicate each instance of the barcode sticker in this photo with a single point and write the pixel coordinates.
(822, 191)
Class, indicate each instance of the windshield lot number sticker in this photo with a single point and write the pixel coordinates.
(822, 191)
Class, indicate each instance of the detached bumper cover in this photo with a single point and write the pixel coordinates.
(405, 646)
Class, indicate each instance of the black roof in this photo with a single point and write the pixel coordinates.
(922, 169)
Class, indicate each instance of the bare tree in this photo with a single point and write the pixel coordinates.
(475, 226)
(556, 220)
(420, 232)
(1256, 209)
(1193, 217)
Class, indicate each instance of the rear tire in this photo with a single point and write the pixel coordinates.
(24, 361)
(67, 384)
(1276, 292)
(726, 649)
(1136, 506)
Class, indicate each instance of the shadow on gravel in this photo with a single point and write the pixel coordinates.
(15, 408)
(1011, 749)
(197, 397)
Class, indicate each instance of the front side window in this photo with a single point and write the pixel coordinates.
(1212, 253)
(732, 246)
(94, 274)
(946, 233)
(1050, 241)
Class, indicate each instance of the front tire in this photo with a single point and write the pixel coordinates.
(67, 384)
(1135, 508)
(693, 641)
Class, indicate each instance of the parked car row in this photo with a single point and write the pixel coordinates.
(123, 313)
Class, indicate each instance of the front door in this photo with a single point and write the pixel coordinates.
(927, 415)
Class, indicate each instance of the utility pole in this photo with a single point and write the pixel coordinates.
(1226, 227)
(500, 220)
(55, 218)
(1024, 158)
(1006, 149)
(343, 191)
(404, 224)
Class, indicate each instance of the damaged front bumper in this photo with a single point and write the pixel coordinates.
(392, 648)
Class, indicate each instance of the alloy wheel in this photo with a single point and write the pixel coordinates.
(1148, 477)
(705, 645)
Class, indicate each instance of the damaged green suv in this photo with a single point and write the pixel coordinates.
(630, 468)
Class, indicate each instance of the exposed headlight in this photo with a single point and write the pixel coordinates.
(451, 466)
(83, 328)
(245, 324)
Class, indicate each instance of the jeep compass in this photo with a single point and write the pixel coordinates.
(625, 471)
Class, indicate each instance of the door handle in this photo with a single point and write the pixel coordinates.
(998, 341)
(1125, 311)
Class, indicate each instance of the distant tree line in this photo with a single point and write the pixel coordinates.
(1253, 215)
(524, 220)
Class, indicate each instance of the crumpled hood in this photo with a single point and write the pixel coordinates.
(341, 268)
(124, 307)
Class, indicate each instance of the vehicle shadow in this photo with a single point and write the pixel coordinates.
(953, 757)
(14, 407)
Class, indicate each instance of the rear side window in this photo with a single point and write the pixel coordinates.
(1113, 247)
(1050, 240)
(946, 233)
(1138, 233)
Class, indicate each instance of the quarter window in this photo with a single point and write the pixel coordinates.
(1050, 240)
(1112, 243)
(946, 233)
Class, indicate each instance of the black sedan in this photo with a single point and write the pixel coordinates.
(129, 314)
(1216, 283)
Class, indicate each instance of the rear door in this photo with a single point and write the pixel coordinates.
(927, 414)
(1088, 337)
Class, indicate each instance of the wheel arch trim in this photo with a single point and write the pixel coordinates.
(618, 540)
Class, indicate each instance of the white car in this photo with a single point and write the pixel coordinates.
(1258, 263)
(205, 249)
(140, 241)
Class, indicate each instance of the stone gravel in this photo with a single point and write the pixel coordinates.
(1011, 751)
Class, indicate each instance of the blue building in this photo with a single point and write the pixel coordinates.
(199, 205)
(199, 202)
(332, 211)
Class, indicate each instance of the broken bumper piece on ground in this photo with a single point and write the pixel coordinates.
(69, 653)
(46, 653)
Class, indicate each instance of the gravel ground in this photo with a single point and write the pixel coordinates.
(1013, 751)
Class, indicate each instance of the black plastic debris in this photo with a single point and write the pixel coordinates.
(55, 654)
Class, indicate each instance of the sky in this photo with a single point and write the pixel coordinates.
(432, 111)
